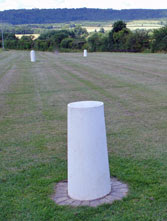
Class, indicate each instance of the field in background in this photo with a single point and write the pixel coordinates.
(132, 25)
(33, 134)
(145, 24)
(34, 36)
(90, 26)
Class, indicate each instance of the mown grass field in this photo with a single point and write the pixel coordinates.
(33, 146)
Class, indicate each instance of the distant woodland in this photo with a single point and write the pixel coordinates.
(46, 16)
(119, 39)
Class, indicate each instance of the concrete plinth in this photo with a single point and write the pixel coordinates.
(32, 56)
(88, 167)
(119, 190)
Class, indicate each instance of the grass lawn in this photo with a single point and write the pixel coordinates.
(33, 122)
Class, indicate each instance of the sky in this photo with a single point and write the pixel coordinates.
(114, 4)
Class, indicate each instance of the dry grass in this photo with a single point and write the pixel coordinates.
(34, 36)
(133, 25)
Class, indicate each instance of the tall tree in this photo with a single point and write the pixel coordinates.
(117, 36)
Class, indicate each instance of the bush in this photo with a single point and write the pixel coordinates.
(159, 42)
(66, 43)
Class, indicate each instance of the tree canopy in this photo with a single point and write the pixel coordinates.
(48, 16)
(119, 39)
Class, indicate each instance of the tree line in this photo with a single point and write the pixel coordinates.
(119, 39)
(46, 16)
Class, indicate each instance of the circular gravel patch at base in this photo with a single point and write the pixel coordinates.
(118, 191)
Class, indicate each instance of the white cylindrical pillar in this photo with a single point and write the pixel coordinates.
(85, 54)
(88, 167)
(32, 56)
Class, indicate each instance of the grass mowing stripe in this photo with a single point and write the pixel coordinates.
(33, 141)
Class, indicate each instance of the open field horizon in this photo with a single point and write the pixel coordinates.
(132, 25)
(33, 131)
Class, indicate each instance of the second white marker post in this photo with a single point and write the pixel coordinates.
(85, 53)
(32, 56)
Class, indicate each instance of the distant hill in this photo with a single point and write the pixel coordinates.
(44, 16)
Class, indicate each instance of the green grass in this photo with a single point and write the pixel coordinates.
(33, 134)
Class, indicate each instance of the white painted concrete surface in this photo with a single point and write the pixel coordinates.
(88, 167)
(85, 54)
(32, 56)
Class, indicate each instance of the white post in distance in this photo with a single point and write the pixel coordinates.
(3, 47)
(88, 166)
(32, 56)
(85, 54)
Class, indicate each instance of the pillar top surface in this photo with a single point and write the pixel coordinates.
(85, 104)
